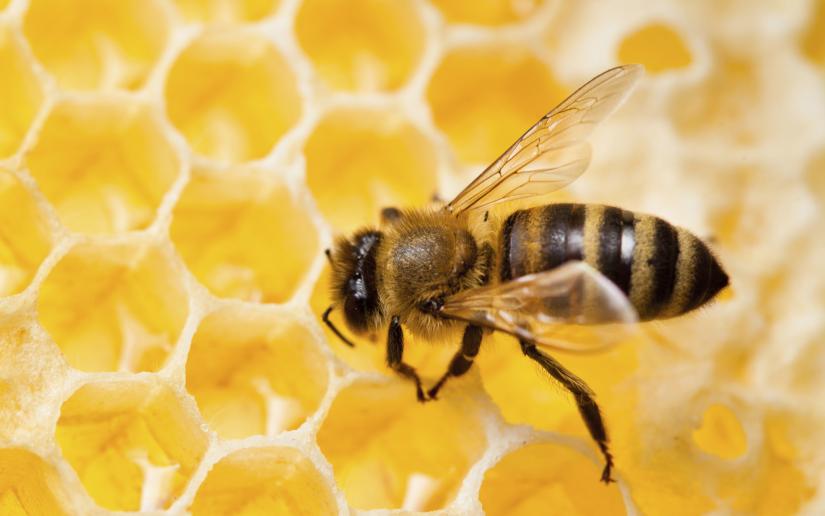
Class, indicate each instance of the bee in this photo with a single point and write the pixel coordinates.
(439, 271)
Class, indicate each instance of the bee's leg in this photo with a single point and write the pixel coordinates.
(390, 214)
(463, 359)
(395, 353)
(584, 399)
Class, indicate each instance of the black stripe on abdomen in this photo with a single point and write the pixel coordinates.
(609, 260)
(663, 262)
(514, 245)
(574, 248)
(555, 220)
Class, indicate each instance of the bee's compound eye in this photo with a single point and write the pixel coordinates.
(355, 313)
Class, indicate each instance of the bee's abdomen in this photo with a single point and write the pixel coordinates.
(664, 270)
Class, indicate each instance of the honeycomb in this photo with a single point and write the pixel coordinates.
(171, 170)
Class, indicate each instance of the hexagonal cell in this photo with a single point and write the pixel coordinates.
(657, 46)
(484, 97)
(134, 444)
(114, 306)
(243, 235)
(227, 11)
(768, 480)
(20, 93)
(390, 451)
(271, 480)
(254, 373)
(536, 477)
(362, 160)
(25, 239)
(813, 44)
(30, 485)
(232, 95)
(89, 44)
(721, 434)
(370, 354)
(723, 105)
(377, 48)
(488, 12)
(104, 164)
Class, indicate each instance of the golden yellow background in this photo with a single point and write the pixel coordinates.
(170, 171)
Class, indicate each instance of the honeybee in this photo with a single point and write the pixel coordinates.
(437, 271)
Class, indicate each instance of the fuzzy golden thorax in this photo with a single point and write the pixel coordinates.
(425, 255)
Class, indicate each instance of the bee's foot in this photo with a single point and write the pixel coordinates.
(606, 476)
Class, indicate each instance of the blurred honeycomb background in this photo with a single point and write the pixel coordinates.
(171, 170)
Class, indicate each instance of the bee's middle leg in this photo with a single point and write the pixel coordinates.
(463, 359)
(395, 355)
(588, 408)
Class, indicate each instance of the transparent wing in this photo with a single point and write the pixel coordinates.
(552, 153)
(572, 308)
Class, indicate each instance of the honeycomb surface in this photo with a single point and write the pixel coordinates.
(171, 170)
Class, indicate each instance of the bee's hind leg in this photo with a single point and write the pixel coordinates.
(463, 359)
(588, 408)
(395, 354)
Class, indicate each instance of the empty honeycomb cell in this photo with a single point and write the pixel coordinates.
(657, 46)
(114, 307)
(545, 479)
(244, 235)
(274, 480)
(29, 485)
(771, 484)
(133, 443)
(484, 97)
(362, 160)
(363, 45)
(390, 451)
(721, 434)
(722, 105)
(254, 372)
(813, 39)
(226, 10)
(232, 95)
(104, 165)
(25, 239)
(487, 12)
(90, 44)
(369, 353)
(20, 93)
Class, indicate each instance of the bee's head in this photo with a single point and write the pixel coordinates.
(354, 286)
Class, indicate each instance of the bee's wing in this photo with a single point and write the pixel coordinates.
(552, 153)
(572, 308)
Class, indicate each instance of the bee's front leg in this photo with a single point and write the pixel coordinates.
(395, 353)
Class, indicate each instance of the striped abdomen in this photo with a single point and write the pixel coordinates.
(664, 270)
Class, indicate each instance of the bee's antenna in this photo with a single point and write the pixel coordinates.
(329, 257)
(332, 327)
